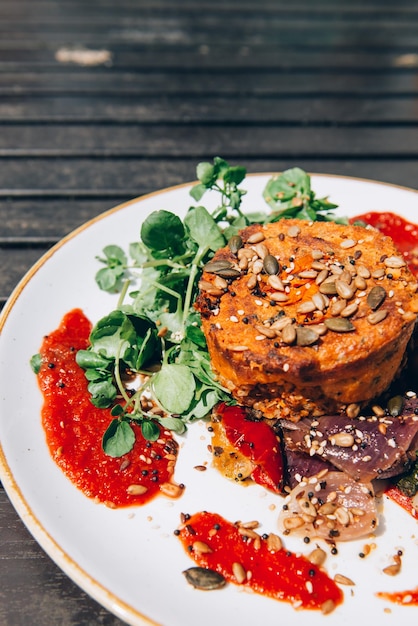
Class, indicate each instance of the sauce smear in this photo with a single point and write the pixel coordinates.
(394, 493)
(406, 598)
(403, 233)
(216, 544)
(74, 428)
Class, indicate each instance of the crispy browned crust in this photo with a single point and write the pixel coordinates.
(339, 368)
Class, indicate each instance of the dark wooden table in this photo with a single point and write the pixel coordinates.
(102, 101)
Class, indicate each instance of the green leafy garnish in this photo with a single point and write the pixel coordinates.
(35, 363)
(151, 351)
(290, 195)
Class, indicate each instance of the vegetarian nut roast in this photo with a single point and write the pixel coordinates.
(307, 318)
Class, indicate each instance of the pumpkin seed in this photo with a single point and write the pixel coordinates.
(328, 289)
(271, 264)
(214, 266)
(395, 406)
(320, 329)
(206, 579)
(235, 243)
(375, 297)
(223, 268)
(228, 273)
(305, 336)
(339, 324)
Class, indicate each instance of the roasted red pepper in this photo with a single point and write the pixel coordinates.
(257, 441)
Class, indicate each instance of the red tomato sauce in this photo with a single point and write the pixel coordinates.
(74, 427)
(403, 233)
(406, 598)
(395, 494)
(281, 575)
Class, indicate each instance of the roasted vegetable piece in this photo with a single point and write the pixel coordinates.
(330, 506)
(254, 451)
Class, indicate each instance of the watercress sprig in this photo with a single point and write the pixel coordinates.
(289, 194)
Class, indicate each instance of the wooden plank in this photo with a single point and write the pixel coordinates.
(226, 109)
(257, 28)
(205, 56)
(135, 177)
(72, 86)
(18, 261)
(48, 219)
(12, 9)
(180, 140)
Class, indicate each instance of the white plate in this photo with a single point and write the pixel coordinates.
(129, 559)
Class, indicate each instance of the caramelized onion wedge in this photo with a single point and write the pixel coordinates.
(331, 506)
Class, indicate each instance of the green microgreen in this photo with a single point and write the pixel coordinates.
(151, 351)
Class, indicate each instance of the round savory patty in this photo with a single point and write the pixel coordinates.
(305, 318)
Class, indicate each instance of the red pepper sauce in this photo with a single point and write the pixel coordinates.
(74, 427)
(395, 494)
(406, 598)
(280, 574)
(403, 233)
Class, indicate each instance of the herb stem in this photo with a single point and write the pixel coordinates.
(123, 293)
(190, 284)
(118, 377)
